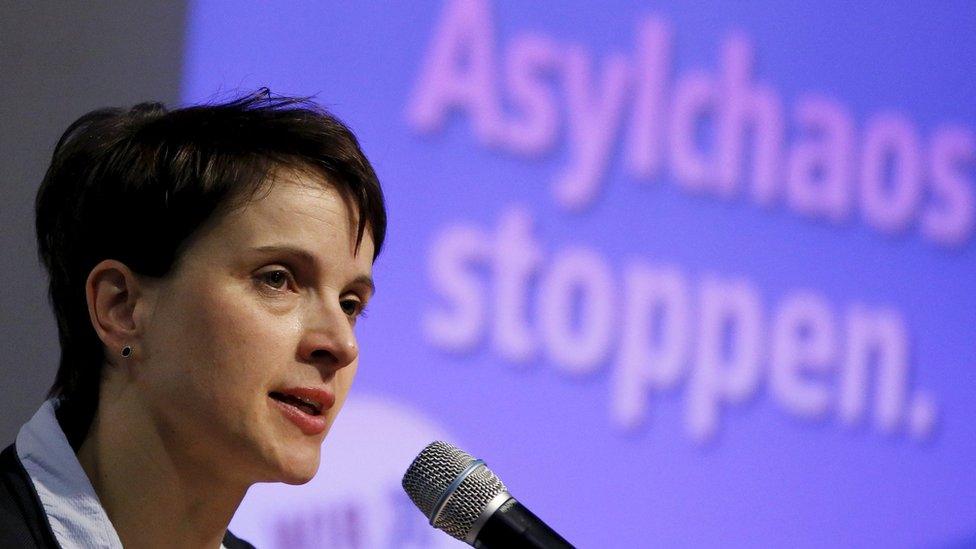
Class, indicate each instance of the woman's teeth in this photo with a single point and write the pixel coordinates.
(308, 406)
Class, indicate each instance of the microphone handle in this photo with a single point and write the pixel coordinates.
(513, 525)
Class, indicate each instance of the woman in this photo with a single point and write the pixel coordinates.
(207, 267)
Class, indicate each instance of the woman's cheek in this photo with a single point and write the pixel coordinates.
(262, 335)
(344, 379)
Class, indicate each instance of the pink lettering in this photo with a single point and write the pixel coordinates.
(890, 147)
(458, 73)
(595, 113)
(950, 219)
(819, 172)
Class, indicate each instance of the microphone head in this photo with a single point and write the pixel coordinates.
(453, 490)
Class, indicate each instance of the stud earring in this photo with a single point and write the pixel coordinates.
(126, 351)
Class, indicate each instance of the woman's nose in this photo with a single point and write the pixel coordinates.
(329, 340)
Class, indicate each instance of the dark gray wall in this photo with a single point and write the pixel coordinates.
(59, 60)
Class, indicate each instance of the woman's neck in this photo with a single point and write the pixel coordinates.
(154, 493)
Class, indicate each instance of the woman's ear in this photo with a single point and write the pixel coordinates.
(113, 291)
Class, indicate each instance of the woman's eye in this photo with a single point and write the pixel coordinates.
(352, 307)
(277, 279)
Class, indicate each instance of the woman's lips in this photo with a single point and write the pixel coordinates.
(305, 407)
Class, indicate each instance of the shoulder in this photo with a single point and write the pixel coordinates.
(233, 542)
(22, 519)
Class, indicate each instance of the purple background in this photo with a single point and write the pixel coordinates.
(768, 478)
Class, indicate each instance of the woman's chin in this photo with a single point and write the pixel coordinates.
(298, 467)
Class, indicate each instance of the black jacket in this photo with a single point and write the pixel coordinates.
(23, 522)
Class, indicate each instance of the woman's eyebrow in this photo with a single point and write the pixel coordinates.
(367, 281)
(304, 255)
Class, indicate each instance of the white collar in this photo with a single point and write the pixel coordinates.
(69, 500)
(68, 497)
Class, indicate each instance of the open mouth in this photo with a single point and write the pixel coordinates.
(307, 406)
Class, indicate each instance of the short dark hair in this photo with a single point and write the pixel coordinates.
(135, 184)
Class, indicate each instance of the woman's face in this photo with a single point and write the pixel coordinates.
(257, 316)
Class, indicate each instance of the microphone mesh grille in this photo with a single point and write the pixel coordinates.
(432, 472)
(464, 507)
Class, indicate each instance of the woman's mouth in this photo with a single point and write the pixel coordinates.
(304, 407)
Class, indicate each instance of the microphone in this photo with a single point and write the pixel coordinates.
(462, 496)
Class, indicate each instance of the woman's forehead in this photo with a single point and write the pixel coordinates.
(308, 192)
(296, 210)
(299, 201)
